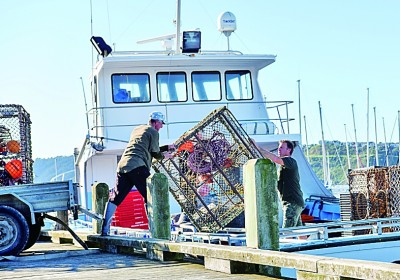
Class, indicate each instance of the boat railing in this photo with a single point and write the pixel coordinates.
(346, 229)
(336, 232)
(172, 52)
(331, 199)
(133, 53)
(277, 121)
(296, 238)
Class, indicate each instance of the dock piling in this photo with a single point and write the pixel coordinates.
(261, 208)
(100, 194)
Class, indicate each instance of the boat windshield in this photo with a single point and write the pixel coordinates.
(171, 87)
(238, 85)
(175, 87)
(130, 88)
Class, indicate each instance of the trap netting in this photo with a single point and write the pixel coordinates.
(205, 175)
(16, 165)
(374, 193)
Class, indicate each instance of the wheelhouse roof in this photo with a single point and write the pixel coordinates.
(164, 59)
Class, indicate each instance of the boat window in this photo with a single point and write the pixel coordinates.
(206, 86)
(238, 85)
(171, 87)
(130, 88)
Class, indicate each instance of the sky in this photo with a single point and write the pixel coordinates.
(337, 49)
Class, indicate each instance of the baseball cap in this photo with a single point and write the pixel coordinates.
(158, 116)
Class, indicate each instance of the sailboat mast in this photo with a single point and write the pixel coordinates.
(376, 141)
(355, 137)
(324, 163)
(347, 148)
(386, 150)
(305, 131)
(328, 171)
(367, 127)
(398, 123)
(298, 89)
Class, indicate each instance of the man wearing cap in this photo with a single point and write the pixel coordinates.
(134, 167)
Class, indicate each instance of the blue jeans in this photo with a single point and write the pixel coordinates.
(291, 215)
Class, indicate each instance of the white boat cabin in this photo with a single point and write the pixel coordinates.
(185, 87)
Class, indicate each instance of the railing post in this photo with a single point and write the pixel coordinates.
(100, 194)
(261, 207)
(287, 118)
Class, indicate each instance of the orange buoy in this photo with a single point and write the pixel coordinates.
(14, 168)
(13, 146)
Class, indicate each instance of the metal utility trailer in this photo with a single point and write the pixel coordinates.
(24, 207)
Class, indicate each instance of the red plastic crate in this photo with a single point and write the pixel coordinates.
(131, 213)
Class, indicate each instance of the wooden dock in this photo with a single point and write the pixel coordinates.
(234, 260)
(48, 260)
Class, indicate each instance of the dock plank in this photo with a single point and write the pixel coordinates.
(93, 264)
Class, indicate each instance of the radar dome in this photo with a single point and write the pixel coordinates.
(227, 23)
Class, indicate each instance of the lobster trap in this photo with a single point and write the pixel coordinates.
(16, 165)
(375, 193)
(205, 175)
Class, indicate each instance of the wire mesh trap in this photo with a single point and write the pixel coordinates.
(374, 193)
(16, 165)
(205, 175)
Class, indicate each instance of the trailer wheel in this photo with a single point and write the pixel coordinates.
(34, 232)
(14, 231)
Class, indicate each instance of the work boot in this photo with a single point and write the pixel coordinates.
(148, 217)
(108, 214)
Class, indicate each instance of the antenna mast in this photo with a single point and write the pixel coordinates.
(178, 26)
(91, 27)
(86, 111)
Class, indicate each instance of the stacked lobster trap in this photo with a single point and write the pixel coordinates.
(16, 165)
(205, 175)
(375, 193)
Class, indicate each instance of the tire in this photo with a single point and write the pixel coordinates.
(14, 231)
(34, 232)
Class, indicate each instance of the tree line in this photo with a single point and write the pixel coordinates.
(337, 159)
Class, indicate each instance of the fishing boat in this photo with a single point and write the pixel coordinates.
(185, 83)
